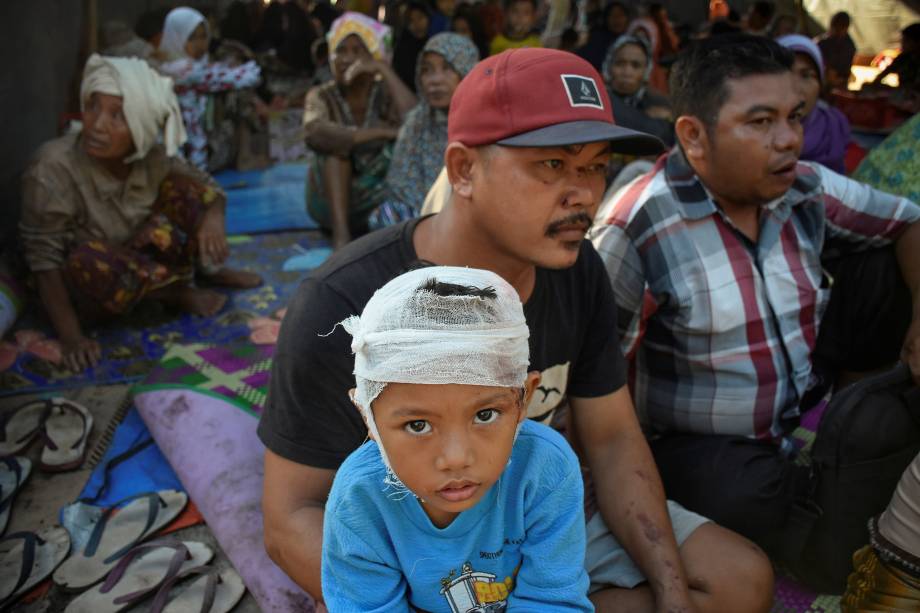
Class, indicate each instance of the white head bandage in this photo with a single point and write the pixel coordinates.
(410, 334)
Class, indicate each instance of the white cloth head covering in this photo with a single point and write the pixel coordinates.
(179, 25)
(410, 334)
(149, 102)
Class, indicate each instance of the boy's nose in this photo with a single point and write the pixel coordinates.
(456, 453)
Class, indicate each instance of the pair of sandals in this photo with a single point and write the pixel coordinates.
(155, 569)
(109, 545)
(63, 426)
(113, 549)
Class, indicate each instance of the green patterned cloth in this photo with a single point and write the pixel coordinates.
(236, 372)
(894, 166)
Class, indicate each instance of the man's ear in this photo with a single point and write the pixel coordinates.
(530, 385)
(458, 160)
(693, 136)
(351, 396)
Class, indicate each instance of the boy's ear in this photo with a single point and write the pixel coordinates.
(530, 385)
(351, 396)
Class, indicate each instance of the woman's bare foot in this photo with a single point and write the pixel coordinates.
(229, 277)
(203, 302)
(194, 300)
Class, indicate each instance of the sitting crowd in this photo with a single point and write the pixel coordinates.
(580, 378)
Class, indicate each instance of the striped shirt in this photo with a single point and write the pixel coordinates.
(719, 329)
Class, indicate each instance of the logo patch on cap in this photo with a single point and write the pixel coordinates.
(582, 91)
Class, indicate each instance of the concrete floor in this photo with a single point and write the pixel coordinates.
(39, 501)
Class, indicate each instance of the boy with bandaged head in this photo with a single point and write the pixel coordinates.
(457, 503)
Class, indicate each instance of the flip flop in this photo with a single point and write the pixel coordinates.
(13, 473)
(212, 591)
(19, 427)
(117, 532)
(65, 430)
(27, 558)
(140, 573)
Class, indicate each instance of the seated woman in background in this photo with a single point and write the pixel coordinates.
(184, 48)
(626, 71)
(349, 124)
(827, 131)
(419, 152)
(111, 218)
(409, 43)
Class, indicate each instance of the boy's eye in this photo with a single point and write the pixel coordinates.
(554, 164)
(486, 416)
(418, 426)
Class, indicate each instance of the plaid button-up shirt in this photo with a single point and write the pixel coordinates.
(721, 329)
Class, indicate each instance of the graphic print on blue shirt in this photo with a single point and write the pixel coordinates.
(476, 592)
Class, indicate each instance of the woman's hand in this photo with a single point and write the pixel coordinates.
(80, 352)
(212, 239)
(364, 66)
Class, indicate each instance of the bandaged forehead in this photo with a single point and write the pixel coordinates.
(410, 333)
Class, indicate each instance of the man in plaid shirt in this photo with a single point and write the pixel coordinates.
(719, 260)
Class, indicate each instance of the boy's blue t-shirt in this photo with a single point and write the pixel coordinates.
(521, 548)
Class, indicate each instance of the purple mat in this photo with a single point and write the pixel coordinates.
(215, 451)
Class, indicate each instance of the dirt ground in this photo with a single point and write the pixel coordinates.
(40, 500)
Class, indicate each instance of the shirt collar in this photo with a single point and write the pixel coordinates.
(696, 201)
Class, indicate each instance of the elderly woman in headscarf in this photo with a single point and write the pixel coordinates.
(184, 47)
(419, 153)
(110, 217)
(349, 125)
(626, 71)
(827, 131)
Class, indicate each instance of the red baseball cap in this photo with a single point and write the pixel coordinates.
(538, 98)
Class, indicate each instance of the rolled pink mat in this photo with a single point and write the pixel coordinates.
(900, 522)
(213, 447)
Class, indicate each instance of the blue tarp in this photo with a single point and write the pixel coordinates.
(266, 200)
(145, 471)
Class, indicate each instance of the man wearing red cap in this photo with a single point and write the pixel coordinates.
(529, 133)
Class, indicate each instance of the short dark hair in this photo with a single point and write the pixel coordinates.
(698, 83)
(911, 32)
(510, 3)
(765, 9)
(150, 23)
(442, 288)
(841, 18)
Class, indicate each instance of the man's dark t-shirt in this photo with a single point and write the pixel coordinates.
(309, 418)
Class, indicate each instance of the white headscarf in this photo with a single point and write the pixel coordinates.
(179, 25)
(149, 103)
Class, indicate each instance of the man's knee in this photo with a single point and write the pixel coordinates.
(742, 484)
(730, 572)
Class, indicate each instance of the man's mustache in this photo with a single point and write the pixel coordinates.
(575, 219)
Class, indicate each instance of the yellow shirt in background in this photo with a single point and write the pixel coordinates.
(503, 43)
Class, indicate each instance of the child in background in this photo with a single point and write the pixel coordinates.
(184, 47)
(520, 17)
(458, 503)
